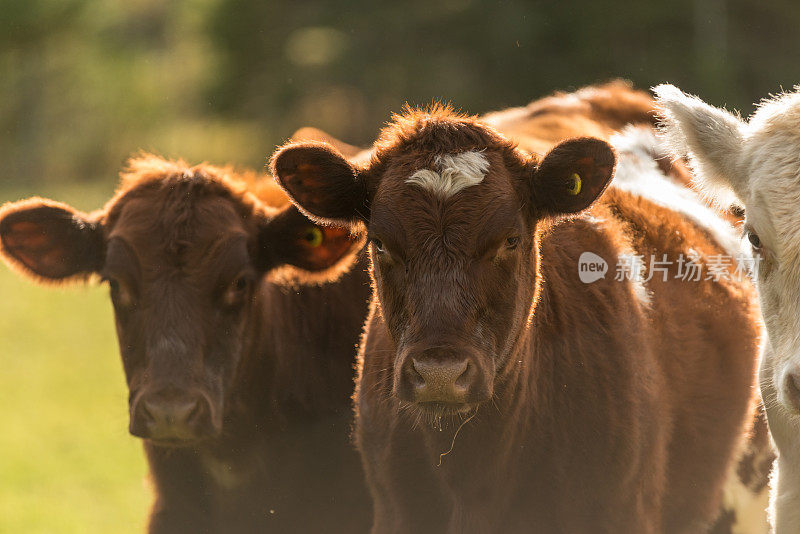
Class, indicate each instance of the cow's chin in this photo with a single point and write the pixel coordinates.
(177, 443)
(445, 408)
(439, 415)
(178, 439)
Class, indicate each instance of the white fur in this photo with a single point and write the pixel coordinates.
(642, 293)
(629, 262)
(455, 172)
(749, 503)
(750, 507)
(692, 127)
(639, 174)
(759, 162)
(639, 289)
(635, 272)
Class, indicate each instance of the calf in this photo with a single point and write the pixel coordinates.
(602, 111)
(756, 164)
(240, 374)
(499, 392)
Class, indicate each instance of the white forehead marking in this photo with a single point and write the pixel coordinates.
(456, 172)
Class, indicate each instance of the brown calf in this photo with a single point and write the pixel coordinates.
(497, 392)
(239, 384)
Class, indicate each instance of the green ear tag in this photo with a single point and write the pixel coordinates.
(313, 236)
(575, 189)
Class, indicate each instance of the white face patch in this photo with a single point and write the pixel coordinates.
(456, 172)
(756, 163)
(769, 165)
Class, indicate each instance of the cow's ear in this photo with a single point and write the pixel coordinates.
(309, 133)
(290, 239)
(321, 182)
(572, 176)
(711, 137)
(50, 241)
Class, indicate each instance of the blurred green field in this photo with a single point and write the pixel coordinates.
(67, 463)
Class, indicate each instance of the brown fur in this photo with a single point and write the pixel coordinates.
(598, 111)
(308, 133)
(585, 410)
(185, 250)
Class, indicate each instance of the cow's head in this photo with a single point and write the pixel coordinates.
(452, 211)
(183, 251)
(754, 164)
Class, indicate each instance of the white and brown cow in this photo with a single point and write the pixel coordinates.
(756, 164)
(497, 391)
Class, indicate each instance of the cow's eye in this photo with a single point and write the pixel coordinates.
(313, 236)
(378, 244)
(237, 290)
(113, 285)
(241, 283)
(121, 296)
(755, 241)
(512, 242)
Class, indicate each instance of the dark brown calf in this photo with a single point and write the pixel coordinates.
(239, 384)
(498, 392)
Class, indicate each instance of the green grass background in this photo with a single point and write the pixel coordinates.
(67, 462)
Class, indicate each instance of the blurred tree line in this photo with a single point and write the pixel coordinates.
(84, 84)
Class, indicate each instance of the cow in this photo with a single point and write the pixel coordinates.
(503, 388)
(756, 164)
(239, 360)
(602, 111)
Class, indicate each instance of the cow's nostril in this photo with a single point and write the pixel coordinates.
(464, 379)
(413, 376)
(194, 413)
(169, 413)
(436, 372)
(145, 412)
(181, 413)
(445, 381)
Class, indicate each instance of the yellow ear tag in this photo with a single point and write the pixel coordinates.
(313, 236)
(576, 184)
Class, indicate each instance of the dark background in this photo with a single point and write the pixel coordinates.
(84, 84)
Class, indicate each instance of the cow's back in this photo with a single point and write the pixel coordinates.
(596, 111)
